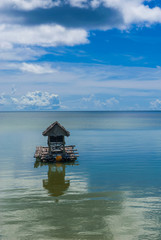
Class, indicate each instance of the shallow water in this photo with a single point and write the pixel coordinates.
(112, 192)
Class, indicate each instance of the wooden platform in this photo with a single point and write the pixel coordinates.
(42, 153)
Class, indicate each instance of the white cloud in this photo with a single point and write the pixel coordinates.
(135, 11)
(93, 102)
(82, 79)
(78, 3)
(43, 35)
(132, 11)
(13, 90)
(28, 4)
(18, 29)
(3, 99)
(5, 45)
(82, 86)
(159, 67)
(111, 101)
(155, 105)
(88, 99)
(106, 104)
(37, 101)
(22, 43)
(19, 53)
(36, 68)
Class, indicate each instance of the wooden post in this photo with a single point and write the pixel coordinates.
(63, 145)
(49, 144)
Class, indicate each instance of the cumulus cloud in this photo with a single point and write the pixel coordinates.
(28, 4)
(53, 23)
(111, 101)
(43, 35)
(3, 99)
(94, 102)
(37, 101)
(99, 13)
(156, 104)
(6, 100)
(88, 99)
(74, 17)
(135, 11)
(36, 68)
(108, 103)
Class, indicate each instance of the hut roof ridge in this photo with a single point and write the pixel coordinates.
(52, 125)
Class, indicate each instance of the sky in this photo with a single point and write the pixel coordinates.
(80, 55)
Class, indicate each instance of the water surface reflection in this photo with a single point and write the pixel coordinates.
(80, 212)
(56, 184)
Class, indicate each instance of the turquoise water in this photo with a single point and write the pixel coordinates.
(113, 191)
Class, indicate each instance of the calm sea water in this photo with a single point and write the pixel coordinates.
(112, 192)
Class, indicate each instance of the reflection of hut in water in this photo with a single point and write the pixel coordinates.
(93, 213)
(56, 183)
(56, 150)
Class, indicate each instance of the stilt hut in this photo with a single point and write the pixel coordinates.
(56, 150)
(56, 137)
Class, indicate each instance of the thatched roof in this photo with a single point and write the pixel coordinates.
(53, 126)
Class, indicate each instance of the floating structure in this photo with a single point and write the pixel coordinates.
(57, 150)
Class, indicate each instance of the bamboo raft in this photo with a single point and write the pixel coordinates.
(42, 154)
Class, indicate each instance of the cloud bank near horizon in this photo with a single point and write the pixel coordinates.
(32, 101)
(80, 87)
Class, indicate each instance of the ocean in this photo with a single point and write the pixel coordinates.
(112, 191)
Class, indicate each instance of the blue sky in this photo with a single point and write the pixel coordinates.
(80, 55)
